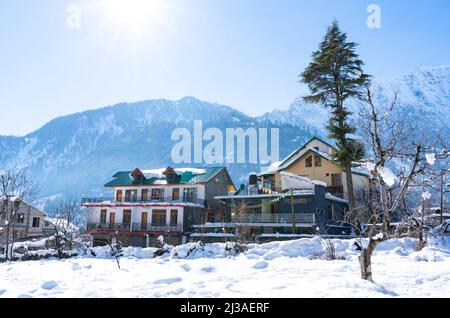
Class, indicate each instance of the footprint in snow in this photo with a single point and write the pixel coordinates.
(260, 265)
(208, 269)
(76, 266)
(49, 285)
(186, 267)
(167, 281)
(24, 296)
(2, 291)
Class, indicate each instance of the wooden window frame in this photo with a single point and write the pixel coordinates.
(309, 162)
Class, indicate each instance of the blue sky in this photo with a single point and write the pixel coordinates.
(243, 53)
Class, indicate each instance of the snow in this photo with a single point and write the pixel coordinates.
(431, 158)
(158, 173)
(385, 173)
(297, 268)
(329, 196)
(426, 195)
(378, 237)
(292, 181)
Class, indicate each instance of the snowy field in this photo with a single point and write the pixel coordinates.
(280, 269)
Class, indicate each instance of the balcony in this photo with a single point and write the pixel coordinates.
(336, 191)
(278, 219)
(135, 227)
(112, 201)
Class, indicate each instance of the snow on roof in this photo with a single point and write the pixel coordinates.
(158, 173)
(293, 181)
(329, 196)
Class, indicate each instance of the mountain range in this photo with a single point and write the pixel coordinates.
(76, 154)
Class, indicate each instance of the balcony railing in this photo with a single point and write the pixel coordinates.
(135, 227)
(279, 218)
(149, 227)
(112, 200)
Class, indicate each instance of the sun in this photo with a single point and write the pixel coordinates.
(135, 20)
(133, 13)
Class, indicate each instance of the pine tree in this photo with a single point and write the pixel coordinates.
(334, 75)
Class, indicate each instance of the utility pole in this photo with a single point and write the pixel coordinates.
(293, 211)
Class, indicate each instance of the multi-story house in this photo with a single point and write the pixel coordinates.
(301, 207)
(314, 160)
(149, 203)
(28, 222)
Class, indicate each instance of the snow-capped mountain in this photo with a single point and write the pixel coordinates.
(423, 97)
(77, 154)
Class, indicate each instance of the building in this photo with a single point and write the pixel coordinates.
(314, 161)
(28, 222)
(301, 207)
(149, 203)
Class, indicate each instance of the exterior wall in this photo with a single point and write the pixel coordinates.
(322, 173)
(26, 229)
(359, 183)
(314, 173)
(136, 213)
(167, 190)
(218, 186)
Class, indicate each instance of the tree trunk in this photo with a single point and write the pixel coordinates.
(7, 242)
(350, 191)
(365, 260)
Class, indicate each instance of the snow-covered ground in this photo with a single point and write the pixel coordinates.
(280, 269)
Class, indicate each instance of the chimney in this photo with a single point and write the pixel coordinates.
(170, 174)
(253, 178)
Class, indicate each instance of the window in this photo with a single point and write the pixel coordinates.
(126, 217)
(158, 217)
(144, 217)
(336, 180)
(36, 222)
(119, 195)
(317, 161)
(173, 217)
(130, 195)
(20, 218)
(317, 148)
(211, 217)
(112, 219)
(102, 216)
(190, 194)
(175, 194)
(157, 194)
(144, 195)
(308, 162)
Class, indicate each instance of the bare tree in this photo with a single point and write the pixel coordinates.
(15, 187)
(66, 217)
(243, 231)
(391, 140)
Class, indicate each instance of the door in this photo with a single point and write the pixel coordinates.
(173, 217)
(144, 217)
(119, 195)
(126, 221)
(112, 219)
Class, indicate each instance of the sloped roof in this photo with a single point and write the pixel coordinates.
(286, 164)
(303, 147)
(187, 176)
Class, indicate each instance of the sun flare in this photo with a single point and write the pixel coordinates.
(133, 13)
